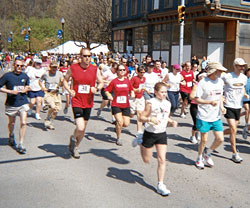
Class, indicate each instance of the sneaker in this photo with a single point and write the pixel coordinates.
(51, 127)
(29, 112)
(65, 110)
(45, 107)
(244, 133)
(119, 142)
(137, 140)
(162, 190)
(98, 113)
(37, 116)
(21, 149)
(236, 158)
(73, 149)
(198, 136)
(182, 116)
(199, 164)
(193, 139)
(113, 121)
(47, 123)
(12, 141)
(208, 160)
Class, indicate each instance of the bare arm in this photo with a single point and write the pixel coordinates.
(65, 83)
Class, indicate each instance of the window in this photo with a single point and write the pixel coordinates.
(245, 2)
(156, 4)
(119, 41)
(141, 39)
(144, 5)
(200, 29)
(244, 38)
(116, 9)
(161, 37)
(216, 31)
(168, 3)
(187, 34)
(133, 7)
(124, 8)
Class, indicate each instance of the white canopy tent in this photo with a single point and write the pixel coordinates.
(71, 48)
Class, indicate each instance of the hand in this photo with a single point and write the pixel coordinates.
(110, 97)
(154, 120)
(213, 103)
(93, 90)
(246, 96)
(183, 82)
(174, 124)
(14, 92)
(72, 93)
(223, 110)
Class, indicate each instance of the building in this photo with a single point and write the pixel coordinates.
(218, 29)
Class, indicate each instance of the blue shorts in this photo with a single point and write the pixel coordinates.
(204, 126)
(34, 94)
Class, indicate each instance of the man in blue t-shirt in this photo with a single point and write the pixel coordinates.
(16, 85)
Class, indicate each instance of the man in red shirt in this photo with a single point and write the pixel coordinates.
(84, 77)
(157, 69)
(186, 86)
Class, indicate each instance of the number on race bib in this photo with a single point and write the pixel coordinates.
(189, 84)
(83, 89)
(18, 88)
(52, 86)
(121, 99)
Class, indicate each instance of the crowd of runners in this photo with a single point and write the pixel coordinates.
(148, 90)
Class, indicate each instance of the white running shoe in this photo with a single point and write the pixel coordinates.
(236, 158)
(37, 116)
(193, 139)
(162, 190)
(137, 140)
(244, 133)
(199, 164)
(182, 116)
(208, 160)
(198, 136)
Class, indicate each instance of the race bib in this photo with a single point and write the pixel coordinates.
(189, 84)
(53, 86)
(121, 99)
(83, 89)
(19, 88)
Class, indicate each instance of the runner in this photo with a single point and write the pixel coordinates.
(36, 94)
(234, 91)
(209, 96)
(121, 87)
(16, 86)
(53, 80)
(156, 118)
(84, 77)
(137, 104)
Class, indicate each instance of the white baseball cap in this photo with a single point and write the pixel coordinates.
(239, 61)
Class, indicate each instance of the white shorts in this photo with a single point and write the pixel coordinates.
(137, 104)
(13, 111)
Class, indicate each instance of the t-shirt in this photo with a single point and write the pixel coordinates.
(247, 88)
(188, 77)
(212, 90)
(158, 72)
(121, 90)
(109, 76)
(151, 79)
(52, 81)
(175, 81)
(234, 89)
(64, 70)
(164, 72)
(83, 80)
(161, 110)
(136, 83)
(14, 81)
(34, 75)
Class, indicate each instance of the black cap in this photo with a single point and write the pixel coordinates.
(151, 64)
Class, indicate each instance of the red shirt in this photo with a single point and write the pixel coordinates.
(136, 83)
(64, 70)
(83, 79)
(127, 71)
(158, 72)
(121, 90)
(188, 77)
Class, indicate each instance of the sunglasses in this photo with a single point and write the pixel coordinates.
(142, 72)
(85, 56)
(17, 65)
(122, 70)
(124, 62)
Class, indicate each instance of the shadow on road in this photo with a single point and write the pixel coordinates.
(100, 137)
(3, 141)
(241, 148)
(64, 118)
(193, 147)
(129, 176)
(177, 137)
(124, 131)
(178, 158)
(109, 154)
(59, 150)
(184, 124)
(101, 118)
(37, 125)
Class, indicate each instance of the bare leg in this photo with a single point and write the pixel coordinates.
(146, 153)
(23, 125)
(202, 143)
(38, 104)
(80, 130)
(119, 124)
(11, 124)
(161, 157)
(219, 138)
(232, 131)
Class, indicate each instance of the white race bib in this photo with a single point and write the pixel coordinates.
(83, 89)
(189, 84)
(53, 86)
(19, 88)
(121, 99)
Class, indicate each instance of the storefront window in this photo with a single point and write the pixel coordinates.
(216, 31)
(161, 37)
(141, 39)
(244, 38)
(119, 41)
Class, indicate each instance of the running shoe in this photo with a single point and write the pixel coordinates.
(244, 133)
(113, 121)
(98, 114)
(198, 136)
(45, 107)
(73, 149)
(162, 190)
(29, 112)
(208, 160)
(12, 141)
(65, 110)
(119, 142)
(21, 149)
(236, 158)
(137, 140)
(199, 164)
(51, 127)
(37, 116)
(183, 116)
(193, 140)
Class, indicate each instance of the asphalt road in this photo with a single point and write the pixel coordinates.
(107, 175)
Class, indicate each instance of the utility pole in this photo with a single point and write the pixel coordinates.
(181, 15)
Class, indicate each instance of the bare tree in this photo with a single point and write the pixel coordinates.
(87, 20)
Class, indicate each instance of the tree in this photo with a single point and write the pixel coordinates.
(87, 20)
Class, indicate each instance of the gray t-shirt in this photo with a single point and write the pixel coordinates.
(52, 81)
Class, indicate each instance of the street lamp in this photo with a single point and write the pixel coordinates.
(62, 22)
(11, 39)
(29, 30)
